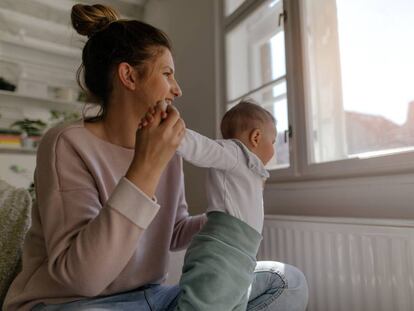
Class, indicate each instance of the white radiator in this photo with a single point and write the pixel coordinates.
(350, 264)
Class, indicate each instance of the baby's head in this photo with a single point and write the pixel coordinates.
(253, 125)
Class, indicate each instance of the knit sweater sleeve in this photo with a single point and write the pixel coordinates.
(88, 242)
(205, 152)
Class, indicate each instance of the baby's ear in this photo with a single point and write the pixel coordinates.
(255, 137)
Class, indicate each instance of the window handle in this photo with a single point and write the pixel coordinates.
(282, 16)
(288, 133)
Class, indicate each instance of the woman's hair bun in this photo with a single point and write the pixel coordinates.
(89, 19)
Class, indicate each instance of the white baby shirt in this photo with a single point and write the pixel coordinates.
(235, 179)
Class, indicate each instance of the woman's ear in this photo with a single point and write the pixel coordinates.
(127, 75)
(255, 137)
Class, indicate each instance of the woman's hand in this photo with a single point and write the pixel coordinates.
(156, 143)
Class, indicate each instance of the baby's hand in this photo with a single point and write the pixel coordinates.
(150, 116)
(147, 119)
(163, 106)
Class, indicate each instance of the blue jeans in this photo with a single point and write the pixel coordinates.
(276, 286)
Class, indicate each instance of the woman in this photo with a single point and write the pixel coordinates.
(110, 195)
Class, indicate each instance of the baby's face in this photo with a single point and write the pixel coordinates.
(265, 150)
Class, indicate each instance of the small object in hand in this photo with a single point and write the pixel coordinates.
(163, 105)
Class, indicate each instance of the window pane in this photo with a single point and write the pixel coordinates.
(273, 99)
(231, 5)
(255, 51)
(359, 77)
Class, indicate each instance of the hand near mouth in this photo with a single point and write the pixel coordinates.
(156, 141)
(155, 114)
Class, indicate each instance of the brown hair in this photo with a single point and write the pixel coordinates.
(112, 41)
(246, 115)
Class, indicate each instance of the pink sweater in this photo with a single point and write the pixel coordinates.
(94, 232)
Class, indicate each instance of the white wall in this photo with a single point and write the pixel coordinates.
(389, 196)
(191, 28)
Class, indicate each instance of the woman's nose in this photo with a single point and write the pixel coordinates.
(176, 90)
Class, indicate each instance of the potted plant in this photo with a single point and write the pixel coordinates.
(31, 130)
(57, 117)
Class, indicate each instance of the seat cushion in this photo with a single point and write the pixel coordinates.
(15, 209)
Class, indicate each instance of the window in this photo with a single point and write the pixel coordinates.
(255, 62)
(344, 86)
(359, 72)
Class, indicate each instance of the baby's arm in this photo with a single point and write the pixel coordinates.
(196, 148)
(205, 152)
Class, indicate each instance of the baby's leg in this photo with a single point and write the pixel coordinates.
(219, 265)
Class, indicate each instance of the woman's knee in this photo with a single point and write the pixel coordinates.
(293, 276)
(295, 289)
(296, 293)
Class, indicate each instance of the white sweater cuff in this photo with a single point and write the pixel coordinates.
(134, 204)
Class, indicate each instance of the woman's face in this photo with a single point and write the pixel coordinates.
(160, 84)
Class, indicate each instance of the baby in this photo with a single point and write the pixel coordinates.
(237, 173)
(220, 261)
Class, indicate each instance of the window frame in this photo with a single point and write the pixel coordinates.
(301, 168)
(229, 23)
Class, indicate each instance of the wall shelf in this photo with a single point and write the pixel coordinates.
(37, 37)
(49, 102)
(4, 150)
(41, 45)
